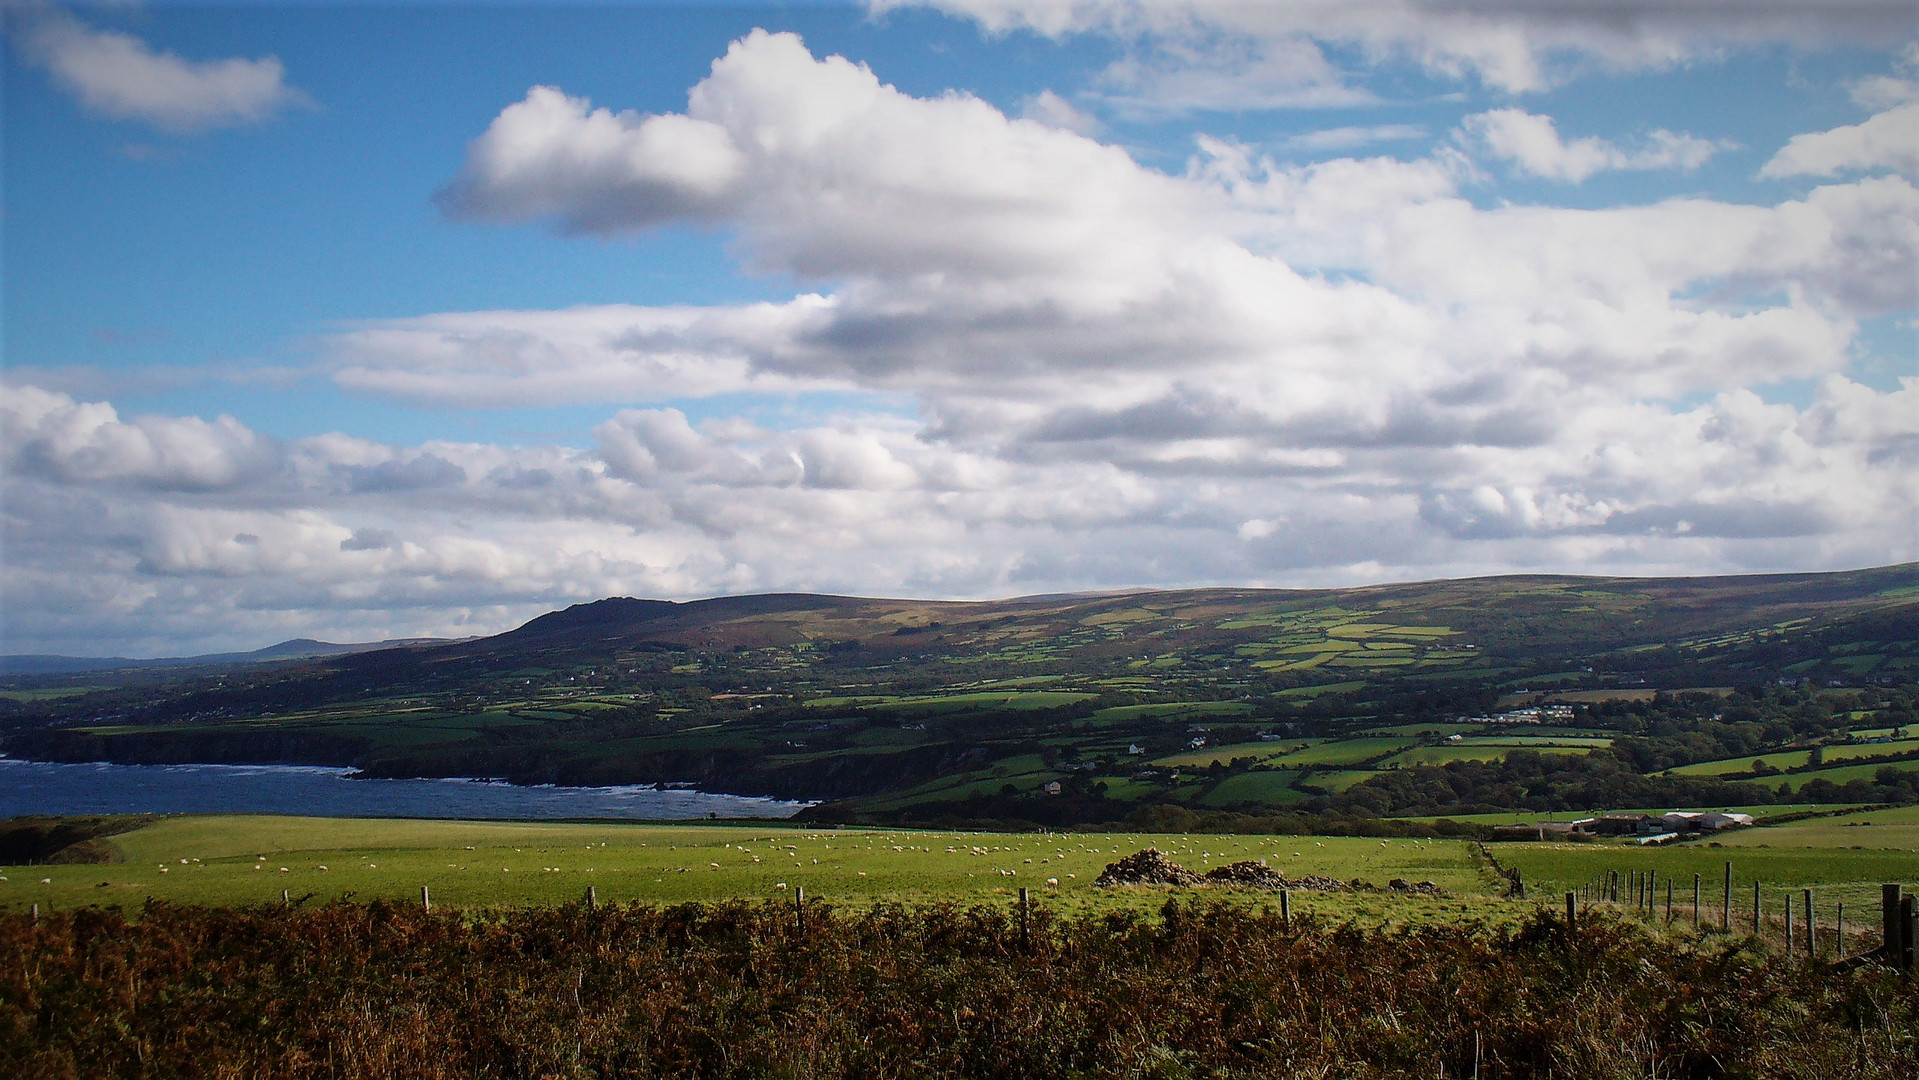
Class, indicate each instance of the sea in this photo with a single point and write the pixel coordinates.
(41, 787)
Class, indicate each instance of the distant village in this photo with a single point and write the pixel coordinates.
(1532, 714)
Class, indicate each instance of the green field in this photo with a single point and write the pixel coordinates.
(1841, 858)
(1488, 750)
(1798, 758)
(239, 859)
(1262, 751)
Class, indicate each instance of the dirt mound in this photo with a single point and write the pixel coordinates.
(1147, 867)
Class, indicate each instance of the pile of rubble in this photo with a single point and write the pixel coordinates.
(1246, 872)
(1319, 883)
(1150, 867)
(1147, 867)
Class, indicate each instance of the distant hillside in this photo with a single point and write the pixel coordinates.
(1063, 709)
(1832, 625)
(294, 649)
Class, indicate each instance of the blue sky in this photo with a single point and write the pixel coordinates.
(326, 321)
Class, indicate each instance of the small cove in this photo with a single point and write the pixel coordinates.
(40, 787)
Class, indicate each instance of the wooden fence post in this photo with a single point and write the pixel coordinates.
(592, 898)
(1286, 907)
(1695, 901)
(799, 906)
(285, 900)
(33, 919)
(1840, 933)
(1908, 932)
(1889, 919)
(1572, 914)
(1788, 924)
(426, 900)
(1668, 901)
(1812, 928)
(1725, 916)
(1025, 942)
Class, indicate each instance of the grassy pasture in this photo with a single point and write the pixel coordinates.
(1173, 710)
(1272, 787)
(1841, 858)
(238, 860)
(1759, 813)
(1844, 876)
(47, 693)
(1263, 750)
(1345, 751)
(1840, 774)
(1470, 751)
(493, 864)
(1781, 759)
(1851, 751)
(1416, 730)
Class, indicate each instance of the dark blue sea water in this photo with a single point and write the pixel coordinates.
(38, 787)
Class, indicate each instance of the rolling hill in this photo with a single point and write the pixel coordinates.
(893, 706)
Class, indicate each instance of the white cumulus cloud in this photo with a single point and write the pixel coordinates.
(1533, 144)
(119, 76)
(1888, 140)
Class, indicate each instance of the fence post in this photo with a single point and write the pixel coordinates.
(285, 900)
(799, 906)
(1572, 913)
(1788, 924)
(1695, 901)
(592, 898)
(1755, 909)
(1725, 916)
(1668, 901)
(1024, 940)
(1812, 928)
(1889, 918)
(1908, 932)
(1840, 933)
(34, 918)
(426, 900)
(1286, 907)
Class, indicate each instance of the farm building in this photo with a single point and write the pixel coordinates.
(1702, 821)
(1623, 825)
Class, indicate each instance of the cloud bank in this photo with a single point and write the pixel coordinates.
(1244, 371)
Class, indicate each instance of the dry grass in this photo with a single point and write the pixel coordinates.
(735, 990)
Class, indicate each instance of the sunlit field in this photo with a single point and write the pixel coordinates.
(245, 860)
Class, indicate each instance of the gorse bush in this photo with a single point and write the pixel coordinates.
(735, 990)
